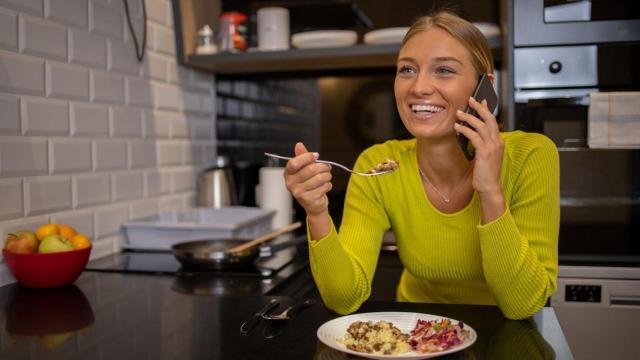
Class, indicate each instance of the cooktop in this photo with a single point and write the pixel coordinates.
(164, 263)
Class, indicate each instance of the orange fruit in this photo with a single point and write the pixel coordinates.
(46, 230)
(66, 231)
(80, 241)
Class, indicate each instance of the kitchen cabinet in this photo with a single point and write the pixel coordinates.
(190, 15)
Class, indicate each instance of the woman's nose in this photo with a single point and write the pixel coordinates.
(423, 85)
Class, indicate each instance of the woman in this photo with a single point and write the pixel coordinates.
(478, 232)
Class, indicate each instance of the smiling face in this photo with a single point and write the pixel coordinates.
(434, 78)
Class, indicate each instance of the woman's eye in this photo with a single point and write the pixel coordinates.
(405, 70)
(445, 71)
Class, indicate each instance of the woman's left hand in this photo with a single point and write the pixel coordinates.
(489, 147)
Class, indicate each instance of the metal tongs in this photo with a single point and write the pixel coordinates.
(251, 323)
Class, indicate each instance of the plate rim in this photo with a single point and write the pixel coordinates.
(409, 355)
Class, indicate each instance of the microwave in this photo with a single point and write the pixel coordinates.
(574, 22)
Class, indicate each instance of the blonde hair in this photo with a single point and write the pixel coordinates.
(463, 31)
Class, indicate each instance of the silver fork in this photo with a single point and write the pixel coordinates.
(335, 164)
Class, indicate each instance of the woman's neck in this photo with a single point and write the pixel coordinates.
(442, 161)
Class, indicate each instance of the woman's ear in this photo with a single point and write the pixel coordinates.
(491, 77)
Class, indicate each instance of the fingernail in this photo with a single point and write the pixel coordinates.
(316, 155)
(459, 111)
(484, 102)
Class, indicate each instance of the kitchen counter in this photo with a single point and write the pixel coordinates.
(128, 316)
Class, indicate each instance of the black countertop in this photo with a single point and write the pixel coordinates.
(130, 316)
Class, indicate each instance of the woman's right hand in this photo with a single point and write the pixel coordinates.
(308, 181)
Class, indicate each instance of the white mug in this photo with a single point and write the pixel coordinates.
(273, 28)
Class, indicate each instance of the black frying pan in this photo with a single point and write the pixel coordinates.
(214, 254)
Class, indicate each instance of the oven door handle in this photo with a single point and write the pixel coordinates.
(583, 100)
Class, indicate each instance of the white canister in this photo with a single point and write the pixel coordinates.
(273, 28)
(272, 193)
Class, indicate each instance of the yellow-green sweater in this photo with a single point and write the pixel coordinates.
(511, 262)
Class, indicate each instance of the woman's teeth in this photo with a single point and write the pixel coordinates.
(426, 108)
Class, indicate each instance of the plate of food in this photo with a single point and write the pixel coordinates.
(396, 335)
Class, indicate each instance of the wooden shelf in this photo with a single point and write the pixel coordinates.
(305, 60)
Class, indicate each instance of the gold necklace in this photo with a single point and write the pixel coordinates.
(446, 199)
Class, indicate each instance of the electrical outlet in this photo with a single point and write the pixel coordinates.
(583, 293)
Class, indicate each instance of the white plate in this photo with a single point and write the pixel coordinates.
(324, 38)
(385, 36)
(331, 331)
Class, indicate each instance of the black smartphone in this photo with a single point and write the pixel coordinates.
(484, 91)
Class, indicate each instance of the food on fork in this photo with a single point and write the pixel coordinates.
(387, 165)
(375, 338)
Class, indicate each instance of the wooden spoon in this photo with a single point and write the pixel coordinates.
(266, 237)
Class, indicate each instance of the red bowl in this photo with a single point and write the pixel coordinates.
(47, 270)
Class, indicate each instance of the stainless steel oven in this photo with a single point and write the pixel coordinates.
(564, 22)
(599, 246)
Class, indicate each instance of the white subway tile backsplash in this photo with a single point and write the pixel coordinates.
(9, 114)
(69, 155)
(209, 154)
(11, 206)
(23, 156)
(157, 182)
(169, 153)
(155, 67)
(142, 154)
(193, 154)
(171, 203)
(158, 11)
(207, 104)
(106, 20)
(201, 80)
(183, 180)
(139, 92)
(143, 209)
(47, 194)
(122, 57)
(167, 97)
(109, 218)
(127, 185)
(126, 122)
(180, 127)
(8, 29)
(44, 116)
(87, 49)
(87, 133)
(157, 124)
(100, 248)
(165, 41)
(72, 12)
(43, 38)
(91, 189)
(201, 128)
(67, 81)
(21, 74)
(89, 120)
(107, 87)
(191, 101)
(81, 220)
(109, 154)
(31, 6)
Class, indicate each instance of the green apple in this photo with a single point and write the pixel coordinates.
(54, 243)
(22, 242)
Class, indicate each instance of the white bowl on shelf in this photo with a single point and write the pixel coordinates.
(324, 39)
(392, 35)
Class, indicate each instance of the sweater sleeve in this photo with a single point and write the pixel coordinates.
(520, 248)
(343, 264)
